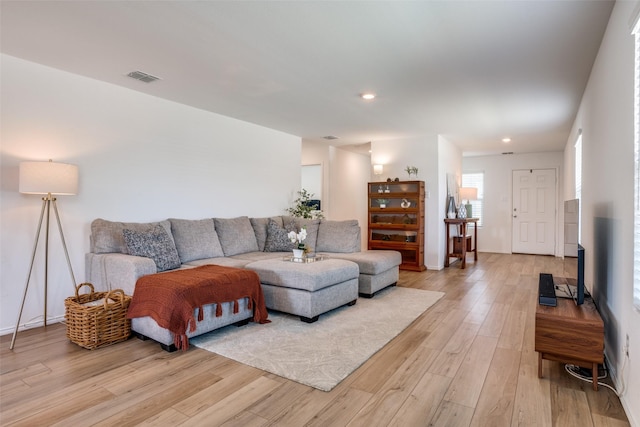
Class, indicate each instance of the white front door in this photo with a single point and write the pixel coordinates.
(534, 211)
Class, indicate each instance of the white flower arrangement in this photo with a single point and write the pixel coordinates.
(298, 237)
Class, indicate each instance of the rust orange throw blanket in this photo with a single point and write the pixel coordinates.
(171, 298)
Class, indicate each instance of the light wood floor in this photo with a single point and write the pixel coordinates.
(468, 360)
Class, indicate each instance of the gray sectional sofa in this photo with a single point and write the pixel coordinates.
(120, 253)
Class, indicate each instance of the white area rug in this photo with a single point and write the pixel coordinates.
(323, 353)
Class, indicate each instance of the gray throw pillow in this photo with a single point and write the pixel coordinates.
(260, 229)
(236, 235)
(155, 244)
(195, 239)
(338, 236)
(277, 239)
(106, 236)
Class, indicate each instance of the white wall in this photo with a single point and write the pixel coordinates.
(449, 164)
(348, 176)
(345, 178)
(495, 234)
(422, 153)
(140, 158)
(606, 120)
(317, 154)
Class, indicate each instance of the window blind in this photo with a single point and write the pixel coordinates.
(475, 180)
(636, 149)
(578, 176)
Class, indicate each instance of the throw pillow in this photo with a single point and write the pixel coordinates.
(236, 235)
(338, 236)
(277, 239)
(195, 239)
(106, 236)
(155, 244)
(260, 229)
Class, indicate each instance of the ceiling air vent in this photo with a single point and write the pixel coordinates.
(143, 77)
(330, 137)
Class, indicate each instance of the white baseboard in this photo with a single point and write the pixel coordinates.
(32, 324)
(619, 384)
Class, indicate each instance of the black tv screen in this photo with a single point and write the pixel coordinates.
(579, 293)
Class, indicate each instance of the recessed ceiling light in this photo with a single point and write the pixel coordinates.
(368, 96)
(507, 139)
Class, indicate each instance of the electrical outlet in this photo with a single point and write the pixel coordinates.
(626, 346)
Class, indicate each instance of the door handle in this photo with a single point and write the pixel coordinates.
(515, 216)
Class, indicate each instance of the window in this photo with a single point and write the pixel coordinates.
(578, 168)
(475, 180)
(636, 149)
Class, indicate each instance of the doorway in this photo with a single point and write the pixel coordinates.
(534, 211)
(311, 180)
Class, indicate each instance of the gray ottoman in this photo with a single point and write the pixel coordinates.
(307, 289)
(378, 269)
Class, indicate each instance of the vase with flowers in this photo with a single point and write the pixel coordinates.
(297, 239)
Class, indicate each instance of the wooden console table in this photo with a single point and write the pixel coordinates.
(460, 251)
(570, 333)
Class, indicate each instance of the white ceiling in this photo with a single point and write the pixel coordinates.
(474, 71)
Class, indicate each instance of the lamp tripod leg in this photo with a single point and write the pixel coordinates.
(26, 285)
(64, 245)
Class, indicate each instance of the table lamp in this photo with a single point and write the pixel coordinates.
(468, 194)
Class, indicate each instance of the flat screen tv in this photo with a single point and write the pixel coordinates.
(580, 285)
(577, 291)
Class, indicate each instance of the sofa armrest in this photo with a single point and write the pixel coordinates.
(116, 271)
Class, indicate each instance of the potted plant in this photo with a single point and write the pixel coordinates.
(411, 170)
(383, 203)
(303, 206)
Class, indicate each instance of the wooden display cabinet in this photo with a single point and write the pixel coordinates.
(396, 220)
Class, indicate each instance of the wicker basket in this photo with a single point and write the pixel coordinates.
(97, 319)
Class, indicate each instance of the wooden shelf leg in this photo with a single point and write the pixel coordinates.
(539, 365)
(463, 233)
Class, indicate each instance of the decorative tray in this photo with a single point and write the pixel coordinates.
(304, 260)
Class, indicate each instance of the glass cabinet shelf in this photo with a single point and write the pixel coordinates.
(406, 220)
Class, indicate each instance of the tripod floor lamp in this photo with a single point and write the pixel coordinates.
(50, 179)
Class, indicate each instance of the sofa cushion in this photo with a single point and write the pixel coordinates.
(338, 236)
(106, 236)
(155, 244)
(195, 239)
(260, 229)
(312, 230)
(236, 235)
(372, 262)
(308, 277)
(277, 237)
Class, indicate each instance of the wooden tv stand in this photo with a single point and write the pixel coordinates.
(570, 333)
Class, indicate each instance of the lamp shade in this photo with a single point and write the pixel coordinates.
(48, 177)
(468, 193)
(377, 169)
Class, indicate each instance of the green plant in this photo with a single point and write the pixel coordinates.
(411, 170)
(302, 207)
